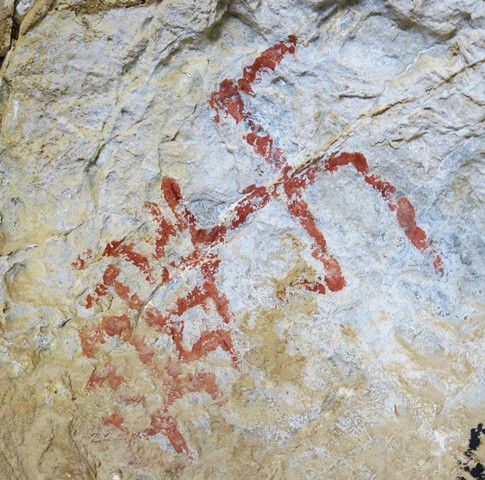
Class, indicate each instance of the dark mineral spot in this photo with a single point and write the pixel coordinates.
(475, 437)
(473, 467)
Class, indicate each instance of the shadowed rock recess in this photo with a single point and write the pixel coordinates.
(242, 239)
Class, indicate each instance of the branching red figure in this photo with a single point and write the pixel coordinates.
(288, 187)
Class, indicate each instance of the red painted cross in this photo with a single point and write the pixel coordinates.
(287, 186)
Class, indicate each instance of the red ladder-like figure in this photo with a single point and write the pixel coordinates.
(288, 187)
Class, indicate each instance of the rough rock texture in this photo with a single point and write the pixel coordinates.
(6, 24)
(242, 239)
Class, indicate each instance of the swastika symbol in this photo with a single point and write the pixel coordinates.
(155, 270)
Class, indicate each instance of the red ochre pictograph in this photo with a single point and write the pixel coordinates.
(288, 187)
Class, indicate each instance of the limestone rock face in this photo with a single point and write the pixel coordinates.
(6, 24)
(242, 239)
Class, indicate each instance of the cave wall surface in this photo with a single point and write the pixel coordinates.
(242, 239)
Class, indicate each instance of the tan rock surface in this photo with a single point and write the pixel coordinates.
(242, 239)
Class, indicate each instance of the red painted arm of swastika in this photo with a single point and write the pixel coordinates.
(229, 100)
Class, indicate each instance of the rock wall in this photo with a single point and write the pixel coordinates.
(242, 239)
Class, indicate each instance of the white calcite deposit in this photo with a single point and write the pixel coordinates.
(242, 239)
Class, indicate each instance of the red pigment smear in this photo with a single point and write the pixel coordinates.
(176, 383)
(406, 217)
(161, 422)
(140, 399)
(316, 287)
(115, 419)
(112, 325)
(263, 145)
(179, 385)
(106, 374)
(185, 218)
(165, 275)
(145, 353)
(89, 339)
(173, 196)
(80, 263)
(155, 319)
(291, 185)
(110, 280)
(206, 236)
(385, 188)
(299, 208)
(356, 159)
(117, 325)
(209, 340)
(228, 99)
(438, 262)
(200, 295)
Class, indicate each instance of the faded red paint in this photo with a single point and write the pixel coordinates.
(165, 229)
(161, 422)
(117, 325)
(316, 287)
(177, 384)
(89, 339)
(115, 419)
(210, 341)
(200, 295)
(82, 259)
(106, 374)
(110, 279)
